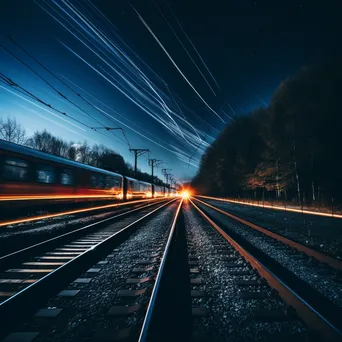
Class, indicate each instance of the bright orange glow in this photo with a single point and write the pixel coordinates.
(185, 194)
(119, 196)
(310, 212)
(42, 217)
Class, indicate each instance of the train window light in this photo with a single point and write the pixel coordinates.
(109, 182)
(15, 169)
(67, 177)
(45, 174)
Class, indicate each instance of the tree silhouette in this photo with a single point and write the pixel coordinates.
(12, 131)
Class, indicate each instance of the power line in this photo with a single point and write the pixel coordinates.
(64, 83)
(8, 81)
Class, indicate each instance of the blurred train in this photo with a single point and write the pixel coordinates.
(30, 175)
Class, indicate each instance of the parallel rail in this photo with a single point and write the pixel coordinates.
(311, 316)
(24, 302)
(332, 262)
(32, 219)
(150, 312)
(275, 207)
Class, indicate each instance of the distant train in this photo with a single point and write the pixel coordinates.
(27, 174)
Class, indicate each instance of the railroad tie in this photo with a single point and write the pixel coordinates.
(138, 280)
(48, 312)
(195, 270)
(83, 280)
(196, 281)
(131, 293)
(197, 293)
(68, 293)
(146, 261)
(199, 311)
(142, 269)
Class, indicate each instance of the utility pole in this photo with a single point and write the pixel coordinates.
(166, 174)
(153, 163)
(137, 152)
(172, 181)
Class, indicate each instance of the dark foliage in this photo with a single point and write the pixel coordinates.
(290, 150)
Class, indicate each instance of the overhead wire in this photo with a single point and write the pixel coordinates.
(8, 81)
(65, 84)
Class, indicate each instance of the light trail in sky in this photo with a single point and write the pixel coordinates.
(40, 107)
(228, 116)
(185, 49)
(193, 45)
(231, 108)
(124, 117)
(176, 66)
(44, 117)
(138, 129)
(112, 60)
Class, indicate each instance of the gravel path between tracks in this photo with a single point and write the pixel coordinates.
(324, 279)
(230, 316)
(85, 316)
(23, 235)
(321, 233)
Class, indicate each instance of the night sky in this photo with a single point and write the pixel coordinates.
(171, 74)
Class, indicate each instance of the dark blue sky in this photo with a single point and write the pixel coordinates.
(168, 99)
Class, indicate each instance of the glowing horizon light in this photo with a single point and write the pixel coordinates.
(185, 194)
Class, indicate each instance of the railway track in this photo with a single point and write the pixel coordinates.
(20, 236)
(322, 257)
(314, 308)
(31, 218)
(174, 271)
(29, 276)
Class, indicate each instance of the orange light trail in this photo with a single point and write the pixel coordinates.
(34, 197)
(309, 212)
(43, 217)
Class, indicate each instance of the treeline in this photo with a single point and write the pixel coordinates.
(97, 155)
(290, 150)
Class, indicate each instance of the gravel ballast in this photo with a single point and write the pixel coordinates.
(231, 317)
(322, 278)
(22, 235)
(85, 316)
(321, 233)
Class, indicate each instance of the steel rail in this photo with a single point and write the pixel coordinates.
(30, 249)
(332, 262)
(76, 211)
(28, 299)
(144, 332)
(275, 207)
(306, 312)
